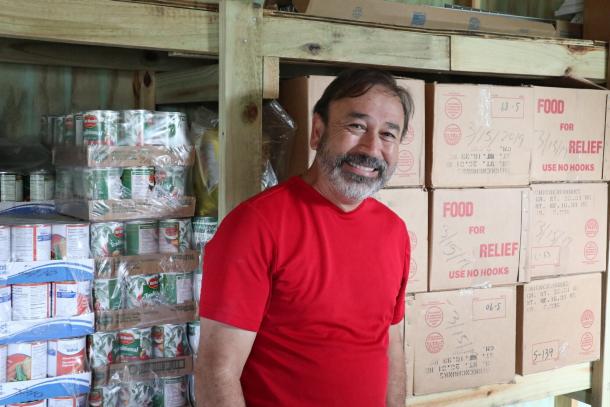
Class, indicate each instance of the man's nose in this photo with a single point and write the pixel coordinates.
(370, 143)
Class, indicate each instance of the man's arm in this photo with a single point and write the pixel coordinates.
(223, 351)
(397, 377)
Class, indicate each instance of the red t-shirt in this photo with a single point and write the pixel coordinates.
(319, 286)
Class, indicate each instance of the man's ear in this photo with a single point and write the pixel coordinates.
(317, 130)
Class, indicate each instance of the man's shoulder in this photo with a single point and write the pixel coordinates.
(267, 202)
(385, 212)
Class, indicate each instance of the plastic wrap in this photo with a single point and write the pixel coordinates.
(279, 130)
(45, 308)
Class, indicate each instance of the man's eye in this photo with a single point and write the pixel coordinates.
(357, 126)
(389, 136)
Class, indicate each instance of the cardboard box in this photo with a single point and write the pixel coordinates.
(299, 95)
(143, 370)
(569, 127)
(596, 15)
(128, 209)
(567, 229)
(123, 156)
(30, 390)
(606, 169)
(559, 322)
(27, 208)
(387, 12)
(475, 237)
(410, 329)
(109, 267)
(464, 339)
(113, 320)
(478, 135)
(46, 329)
(412, 206)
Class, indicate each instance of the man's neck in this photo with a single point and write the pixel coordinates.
(321, 184)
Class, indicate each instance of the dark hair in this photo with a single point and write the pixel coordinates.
(356, 82)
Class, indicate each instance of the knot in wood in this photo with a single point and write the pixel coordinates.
(250, 113)
(313, 48)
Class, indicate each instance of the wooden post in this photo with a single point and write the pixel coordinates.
(240, 102)
(600, 381)
(563, 401)
(144, 89)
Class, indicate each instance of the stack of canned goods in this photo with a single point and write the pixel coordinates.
(115, 128)
(39, 186)
(121, 183)
(203, 231)
(44, 241)
(69, 401)
(159, 392)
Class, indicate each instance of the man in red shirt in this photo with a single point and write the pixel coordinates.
(304, 284)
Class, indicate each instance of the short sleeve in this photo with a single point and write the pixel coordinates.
(399, 309)
(237, 268)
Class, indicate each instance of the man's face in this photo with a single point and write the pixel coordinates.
(358, 149)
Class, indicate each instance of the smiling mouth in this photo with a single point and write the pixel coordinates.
(362, 170)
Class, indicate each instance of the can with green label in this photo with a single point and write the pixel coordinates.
(40, 185)
(171, 180)
(176, 288)
(171, 392)
(101, 127)
(69, 130)
(197, 278)
(11, 186)
(138, 182)
(58, 130)
(107, 294)
(193, 332)
(141, 237)
(170, 341)
(135, 344)
(63, 183)
(137, 394)
(175, 235)
(103, 183)
(104, 396)
(169, 129)
(134, 125)
(79, 119)
(142, 290)
(204, 228)
(103, 348)
(107, 239)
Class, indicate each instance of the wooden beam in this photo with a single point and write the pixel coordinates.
(187, 86)
(144, 89)
(112, 23)
(309, 39)
(563, 401)
(584, 396)
(271, 77)
(84, 56)
(240, 104)
(522, 56)
(600, 394)
(531, 387)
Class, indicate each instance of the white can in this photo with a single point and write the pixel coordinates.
(197, 277)
(31, 301)
(70, 241)
(5, 243)
(71, 401)
(3, 362)
(5, 303)
(66, 356)
(70, 298)
(26, 361)
(37, 403)
(31, 242)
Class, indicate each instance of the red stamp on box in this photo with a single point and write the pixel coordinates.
(435, 342)
(591, 228)
(405, 161)
(434, 316)
(452, 134)
(591, 250)
(586, 341)
(453, 108)
(587, 318)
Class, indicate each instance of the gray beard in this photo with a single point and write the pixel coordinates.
(352, 186)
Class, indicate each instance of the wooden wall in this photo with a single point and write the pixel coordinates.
(30, 91)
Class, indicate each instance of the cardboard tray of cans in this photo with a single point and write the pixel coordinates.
(143, 370)
(127, 209)
(46, 329)
(112, 320)
(123, 156)
(27, 208)
(48, 271)
(108, 267)
(60, 386)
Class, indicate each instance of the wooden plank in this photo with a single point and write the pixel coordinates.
(600, 394)
(240, 104)
(191, 85)
(47, 53)
(309, 39)
(144, 89)
(271, 78)
(584, 396)
(530, 387)
(527, 57)
(112, 23)
(563, 401)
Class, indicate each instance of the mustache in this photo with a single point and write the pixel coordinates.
(364, 160)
